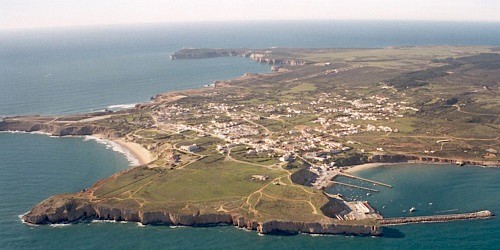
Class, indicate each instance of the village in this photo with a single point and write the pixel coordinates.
(271, 130)
(267, 147)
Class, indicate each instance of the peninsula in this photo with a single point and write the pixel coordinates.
(258, 151)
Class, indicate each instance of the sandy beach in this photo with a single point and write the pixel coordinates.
(357, 168)
(141, 154)
(138, 151)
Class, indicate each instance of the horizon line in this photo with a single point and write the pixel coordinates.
(103, 25)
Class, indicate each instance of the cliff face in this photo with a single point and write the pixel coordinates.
(317, 228)
(406, 158)
(261, 57)
(207, 53)
(59, 210)
(264, 58)
(66, 209)
(358, 159)
(55, 130)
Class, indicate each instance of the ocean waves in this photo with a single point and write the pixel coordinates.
(111, 145)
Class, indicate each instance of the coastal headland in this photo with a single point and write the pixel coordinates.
(257, 151)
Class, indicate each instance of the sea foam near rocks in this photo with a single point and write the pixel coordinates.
(60, 225)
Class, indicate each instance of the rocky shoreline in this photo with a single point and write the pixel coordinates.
(400, 158)
(62, 209)
(261, 56)
(73, 208)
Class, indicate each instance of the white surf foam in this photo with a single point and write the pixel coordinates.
(109, 144)
(60, 225)
(21, 218)
(115, 147)
(24, 132)
(103, 221)
(122, 106)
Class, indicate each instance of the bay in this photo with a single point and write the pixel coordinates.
(61, 71)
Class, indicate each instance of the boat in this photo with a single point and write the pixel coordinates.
(413, 209)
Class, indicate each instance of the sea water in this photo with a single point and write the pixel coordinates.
(61, 71)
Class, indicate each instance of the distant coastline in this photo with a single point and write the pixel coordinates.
(147, 122)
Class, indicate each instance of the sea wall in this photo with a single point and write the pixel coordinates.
(65, 209)
(436, 218)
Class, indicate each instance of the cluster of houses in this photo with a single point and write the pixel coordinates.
(336, 116)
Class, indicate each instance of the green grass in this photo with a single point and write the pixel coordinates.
(240, 153)
(218, 180)
(272, 209)
(303, 87)
(211, 182)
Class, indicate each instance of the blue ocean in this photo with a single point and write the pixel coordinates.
(73, 70)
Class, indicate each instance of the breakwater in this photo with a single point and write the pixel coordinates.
(436, 218)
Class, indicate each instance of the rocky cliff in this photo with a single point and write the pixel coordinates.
(208, 53)
(269, 59)
(316, 228)
(27, 125)
(358, 159)
(416, 158)
(260, 56)
(70, 209)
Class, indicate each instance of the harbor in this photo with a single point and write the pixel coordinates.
(327, 178)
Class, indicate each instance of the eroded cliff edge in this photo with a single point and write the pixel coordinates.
(261, 56)
(74, 208)
(159, 128)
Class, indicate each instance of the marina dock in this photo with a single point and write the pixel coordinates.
(328, 179)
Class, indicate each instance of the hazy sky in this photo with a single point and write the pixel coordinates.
(51, 13)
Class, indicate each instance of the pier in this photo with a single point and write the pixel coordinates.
(363, 179)
(354, 186)
(436, 218)
(327, 179)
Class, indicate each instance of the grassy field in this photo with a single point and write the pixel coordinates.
(209, 185)
(438, 101)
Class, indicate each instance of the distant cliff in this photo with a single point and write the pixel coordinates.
(427, 159)
(358, 159)
(208, 53)
(260, 56)
(25, 125)
(69, 209)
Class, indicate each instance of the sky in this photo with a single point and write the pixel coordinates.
(15, 14)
